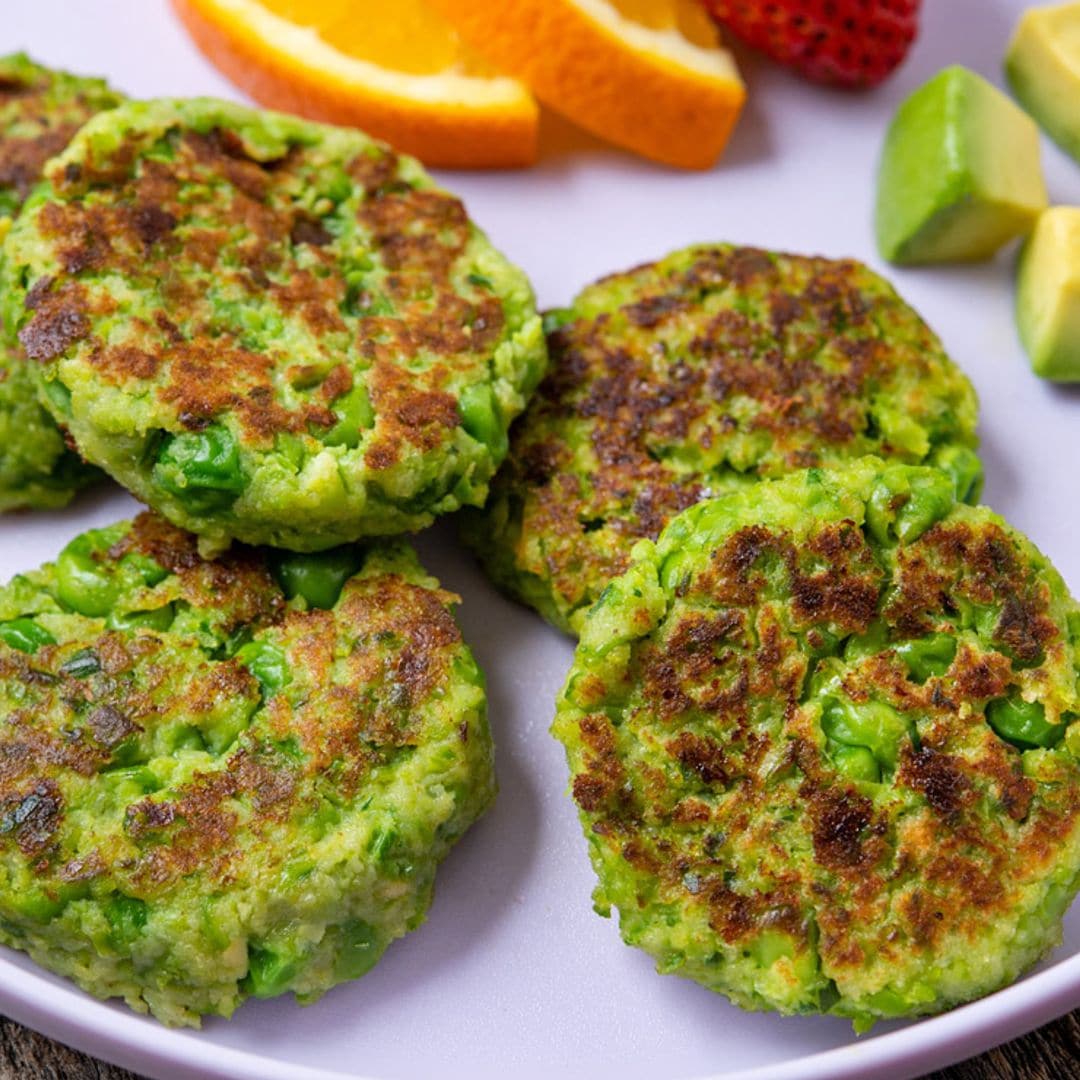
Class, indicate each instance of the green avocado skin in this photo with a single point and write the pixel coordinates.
(710, 369)
(40, 109)
(233, 778)
(818, 734)
(271, 331)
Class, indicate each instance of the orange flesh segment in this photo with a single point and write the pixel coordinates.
(402, 35)
(687, 16)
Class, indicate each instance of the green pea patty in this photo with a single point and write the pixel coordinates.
(825, 743)
(233, 778)
(713, 368)
(270, 330)
(40, 110)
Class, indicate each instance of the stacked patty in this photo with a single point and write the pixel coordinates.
(823, 738)
(40, 110)
(270, 330)
(229, 778)
(822, 732)
(234, 776)
(715, 367)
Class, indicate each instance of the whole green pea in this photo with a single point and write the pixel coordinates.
(270, 971)
(357, 950)
(1023, 723)
(318, 577)
(59, 396)
(933, 495)
(159, 619)
(928, 656)
(905, 504)
(963, 467)
(819, 641)
(126, 916)
(138, 568)
(871, 724)
(873, 640)
(211, 924)
(889, 490)
(480, 418)
(85, 582)
(140, 777)
(856, 762)
(201, 468)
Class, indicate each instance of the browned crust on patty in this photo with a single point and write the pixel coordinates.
(367, 668)
(260, 243)
(715, 364)
(708, 746)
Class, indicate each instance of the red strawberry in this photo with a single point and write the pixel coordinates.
(851, 43)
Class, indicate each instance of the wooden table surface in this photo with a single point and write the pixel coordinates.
(1051, 1053)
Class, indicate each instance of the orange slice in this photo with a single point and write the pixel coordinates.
(649, 75)
(392, 67)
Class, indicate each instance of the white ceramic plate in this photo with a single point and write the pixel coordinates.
(513, 974)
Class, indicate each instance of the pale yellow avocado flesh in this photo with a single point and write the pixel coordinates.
(1048, 295)
(960, 173)
(1043, 68)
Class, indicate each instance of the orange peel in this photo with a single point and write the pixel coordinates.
(648, 75)
(412, 84)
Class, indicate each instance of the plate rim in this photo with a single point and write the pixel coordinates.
(68, 1014)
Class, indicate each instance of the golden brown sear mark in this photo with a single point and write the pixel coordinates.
(199, 829)
(846, 838)
(981, 565)
(682, 761)
(22, 159)
(366, 670)
(711, 366)
(39, 113)
(339, 724)
(201, 366)
(238, 582)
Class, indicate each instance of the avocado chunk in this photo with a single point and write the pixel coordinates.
(960, 173)
(1048, 295)
(1043, 68)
